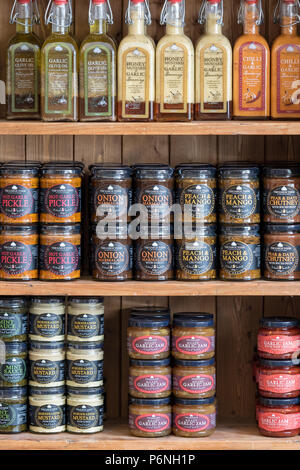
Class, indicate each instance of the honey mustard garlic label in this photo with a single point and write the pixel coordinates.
(252, 77)
(288, 79)
(24, 78)
(174, 70)
(213, 60)
(59, 79)
(136, 72)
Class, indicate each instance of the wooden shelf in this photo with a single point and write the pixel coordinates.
(228, 436)
(156, 128)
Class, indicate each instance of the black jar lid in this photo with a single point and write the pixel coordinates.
(194, 401)
(27, 163)
(235, 230)
(13, 392)
(149, 321)
(85, 391)
(193, 320)
(162, 312)
(150, 402)
(279, 401)
(196, 171)
(68, 163)
(239, 170)
(191, 231)
(20, 229)
(13, 302)
(15, 347)
(281, 170)
(86, 300)
(47, 300)
(279, 322)
(110, 171)
(63, 170)
(42, 391)
(203, 363)
(153, 171)
(61, 229)
(279, 363)
(20, 169)
(151, 232)
(282, 228)
(89, 345)
(154, 363)
(48, 345)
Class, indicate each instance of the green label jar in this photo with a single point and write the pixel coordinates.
(14, 370)
(13, 410)
(13, 319)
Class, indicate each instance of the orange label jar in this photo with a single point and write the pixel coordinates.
(279, 417)
(150, 418)
(18, 252)
(278, 338)
(193, 336)
(279, 379)
(148, 337)
(60, 252)
(282, 252)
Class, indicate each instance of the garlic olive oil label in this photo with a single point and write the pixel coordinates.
(24, 78)
(213, 79)
(174, 78)
(136, 63)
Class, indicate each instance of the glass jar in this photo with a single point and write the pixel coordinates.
(150, 379)
(194, 418)
(60, 194)
(239, 194)
(281, 198)
(13, 410)
(240, 253)
(279, 417)
(278, 338)
(150, 418)
(47, 410)
(196, 191)
(193, 336)
(84, 365)
(60, 252)
(19, 194)
(279, 379)
(196, 255)
(110, 190)
(46, 364)
(282, 252)
(85, 410)
(13, 319)
(194, 379)
(18, 253)
(13, 373)
(148, 338)
(47, 319)
(85, 319)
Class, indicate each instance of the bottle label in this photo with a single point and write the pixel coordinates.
(113, 258)
(282, 202)
(252, 77)
(152, 423)
(85, 416)
(174, 73)
(194, 422)
(240, 201)
(12, 415)
(61, 258)
(197, 258)
(24, 78)
(14, 370)
(238, 257)
(155, 258)
(62, 200)
(148, 345)
(98, 79)
(17, 201)
(194, 383)
(13, 324)
(44, 371)
(278, 344)
(115, 198)
(288, 76)
(193, 345)
(59, 87)
(85, 326)
(47, 416)
(150, 383)
(83, 371)
(157, 199)
(213, 79)
(18, 258)
(47, 325)
(198, 200)
(136, 71)
(282, 258)
(279, 383)
(277, 422)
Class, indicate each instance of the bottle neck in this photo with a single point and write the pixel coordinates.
(98, 24)
(175, 18)
(251, 19)
(24, 21)
(214, 19)
(137, 19)
(288, 19)
(61, 20)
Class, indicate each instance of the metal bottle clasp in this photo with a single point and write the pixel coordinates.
(109, 16)
(148, 19)
(276, 17)
(49, 13)
(35, 17)
(163, 15)
(241, 13)
(202, 16)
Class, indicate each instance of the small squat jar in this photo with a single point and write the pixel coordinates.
(148, 338)
(194, 379)
(240, 253)
(194, 417)
(46, 364)
(47, 319)
(13, 410)
(85, 410)
(13, 319)
(193, 336)
(84, 365)
(279, 379)
(279, 417)
(278, 338)
(150, 379)
(47, 410)
(150, 418)
(85, 319)
(13, 373)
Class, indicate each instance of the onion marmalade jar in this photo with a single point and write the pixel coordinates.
(282, 252)
(193, 336)
(19, 194)
(194, 379)
(150, 418)
(279, 379)
(239, 194)
(196, 191)
(150, 379)
(194, 417)
(148, 338)
(278, 338)
(281, 198)
(279, 417)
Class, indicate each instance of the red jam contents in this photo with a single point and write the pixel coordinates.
(279, 379)
(279, 417)
(278, 338)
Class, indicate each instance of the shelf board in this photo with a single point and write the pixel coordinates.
(152, 128)
(228, 436)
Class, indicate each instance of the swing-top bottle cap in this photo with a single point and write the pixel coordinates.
(99, 1)
(138, 1)
(175, 1)
(214, 1)
(60, 2)
(24, 2)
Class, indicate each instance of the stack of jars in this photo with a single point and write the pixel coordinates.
(277, 374)
(84, 369)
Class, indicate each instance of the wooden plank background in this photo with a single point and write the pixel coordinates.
(236, 318)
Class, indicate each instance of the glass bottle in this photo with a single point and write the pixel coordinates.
(136, 66)
(213, 66)
(98, 67)
(23, 63)
(59, 65)
(174, 67)
(285, 77)
(251, 70)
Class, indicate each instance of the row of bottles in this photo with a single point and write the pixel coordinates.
(142, 82)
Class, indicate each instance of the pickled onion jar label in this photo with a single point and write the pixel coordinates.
(278, 344)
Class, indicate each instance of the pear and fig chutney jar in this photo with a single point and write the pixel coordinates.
(282, 252)
(193, 336)
(278, 338)
(148, 338)
(47, 410)
(13, 410)
(279, 378)
(85, 410)
(278, 417)
(194, 417)
(150, 418)
(194, 379)
(150, 379)
(47, 319)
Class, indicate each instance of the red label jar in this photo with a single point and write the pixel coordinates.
(278, 338)
(150, 418)
(278, 417)
(193, 336)
(150, 379)
(148, 337)
(279, 379)
(194, 417)
(194, 379)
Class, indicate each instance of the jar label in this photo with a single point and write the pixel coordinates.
(150, 383)
(279, 383)
(277, 422)
(12, 415)
(174, 82)
(239, 201)
(85, 416)
(198, 200)
(13, 324)
(194, 422)
(288, 73)
(282, 258)
(44, 371)
(17, 201)
(155, 258)
(85, 326)
(252, 77)
(197, 257)
(18, 258)
(151, 422)
(238, 257)
(47, 325)
(148, 345)
(113, 258)
(114, 198)
(193, 345)
(61, 258)
(136, 83)
(62, 200)
(14, 370)
(156, 198)
(278, 344)
(83, 371)
(47, 416)
(282, 202)
(194, 383)
(213, 73)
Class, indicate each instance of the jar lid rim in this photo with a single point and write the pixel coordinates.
(279, 322)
